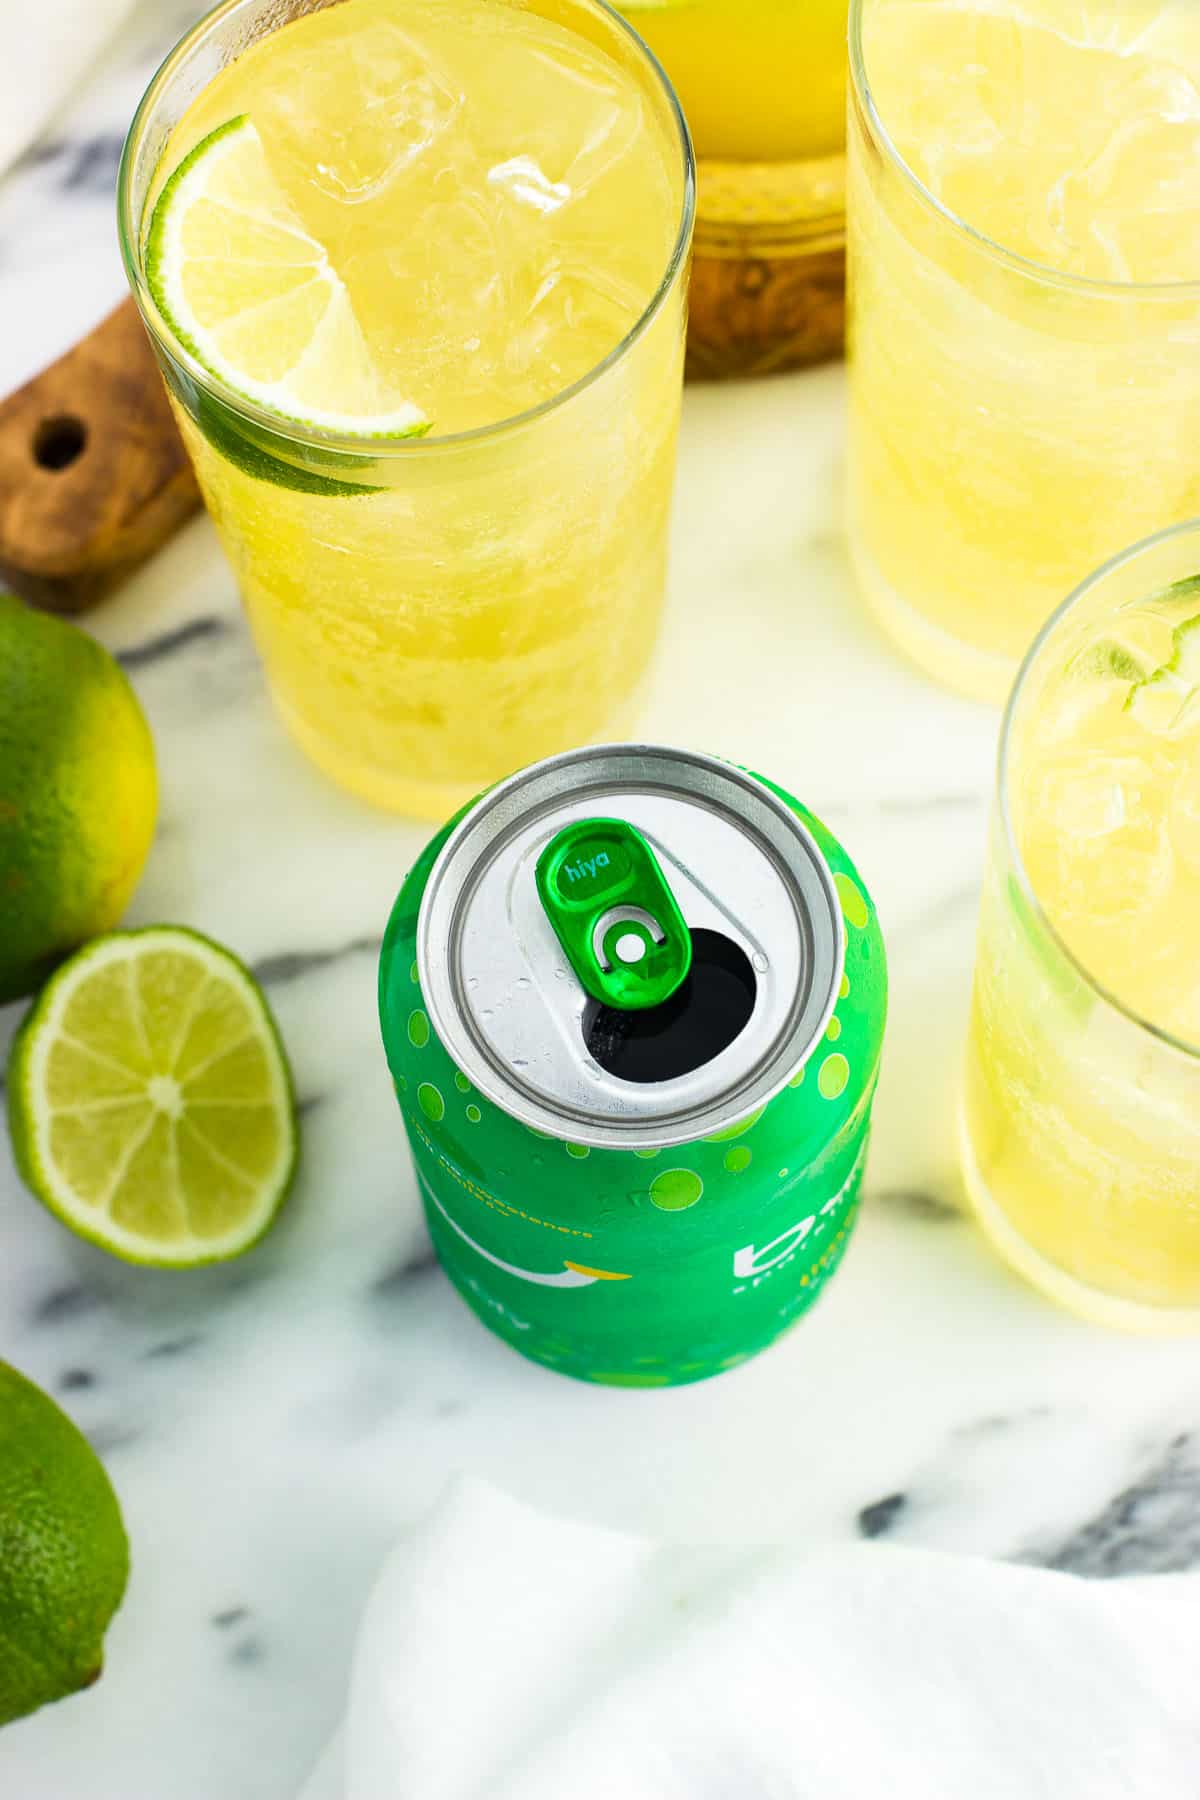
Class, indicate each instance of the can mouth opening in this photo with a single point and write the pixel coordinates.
(701, 1019)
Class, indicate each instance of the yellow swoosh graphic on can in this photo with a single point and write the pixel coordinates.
(573, 1275)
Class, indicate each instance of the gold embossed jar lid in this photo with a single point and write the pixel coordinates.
(768, 279)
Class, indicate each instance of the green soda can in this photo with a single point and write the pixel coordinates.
(633, 1003)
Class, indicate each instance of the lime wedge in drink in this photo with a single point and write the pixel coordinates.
(150, 1102)
(1163, 701)
(1185, 664)
(1108, 658)
(253, 296)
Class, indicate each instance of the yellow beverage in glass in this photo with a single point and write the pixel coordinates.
(760, 80)
(1024, 217)
(1081, 1123)
(415, 273)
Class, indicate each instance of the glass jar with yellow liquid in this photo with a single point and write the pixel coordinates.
(763, 85)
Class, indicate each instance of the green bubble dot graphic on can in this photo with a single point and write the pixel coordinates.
(637, 1060)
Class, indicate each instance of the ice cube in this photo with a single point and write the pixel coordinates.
(1135, 200)
(574, 147)
(1098, 843)
(574, 316)
(426, 311)
(403, 102)
(1184, 815)
(529, 185)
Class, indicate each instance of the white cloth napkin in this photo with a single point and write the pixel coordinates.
(506, 1655)
(45, 51)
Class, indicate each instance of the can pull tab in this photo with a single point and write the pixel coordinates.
(613, 913)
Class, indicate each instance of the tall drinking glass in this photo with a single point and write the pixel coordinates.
(1024, 242)
(1081, 1120)
(469, 222)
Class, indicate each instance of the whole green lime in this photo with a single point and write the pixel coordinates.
(64, 1556)
(78, 793)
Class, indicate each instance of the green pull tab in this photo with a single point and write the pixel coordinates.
(613, 913)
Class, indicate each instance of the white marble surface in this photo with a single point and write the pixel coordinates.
(272, 1426)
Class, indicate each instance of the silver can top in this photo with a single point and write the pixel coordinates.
(757, 898)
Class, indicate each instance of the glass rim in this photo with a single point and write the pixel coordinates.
(1087, 286)
(1004, 761)
(130, 235)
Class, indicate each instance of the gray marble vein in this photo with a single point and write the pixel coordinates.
(1152, 1527)
(170, 643)
(293, 965)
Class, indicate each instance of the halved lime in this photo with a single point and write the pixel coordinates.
(254, 297)
(150, 1102)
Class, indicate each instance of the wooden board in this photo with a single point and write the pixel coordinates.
(93, 473)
